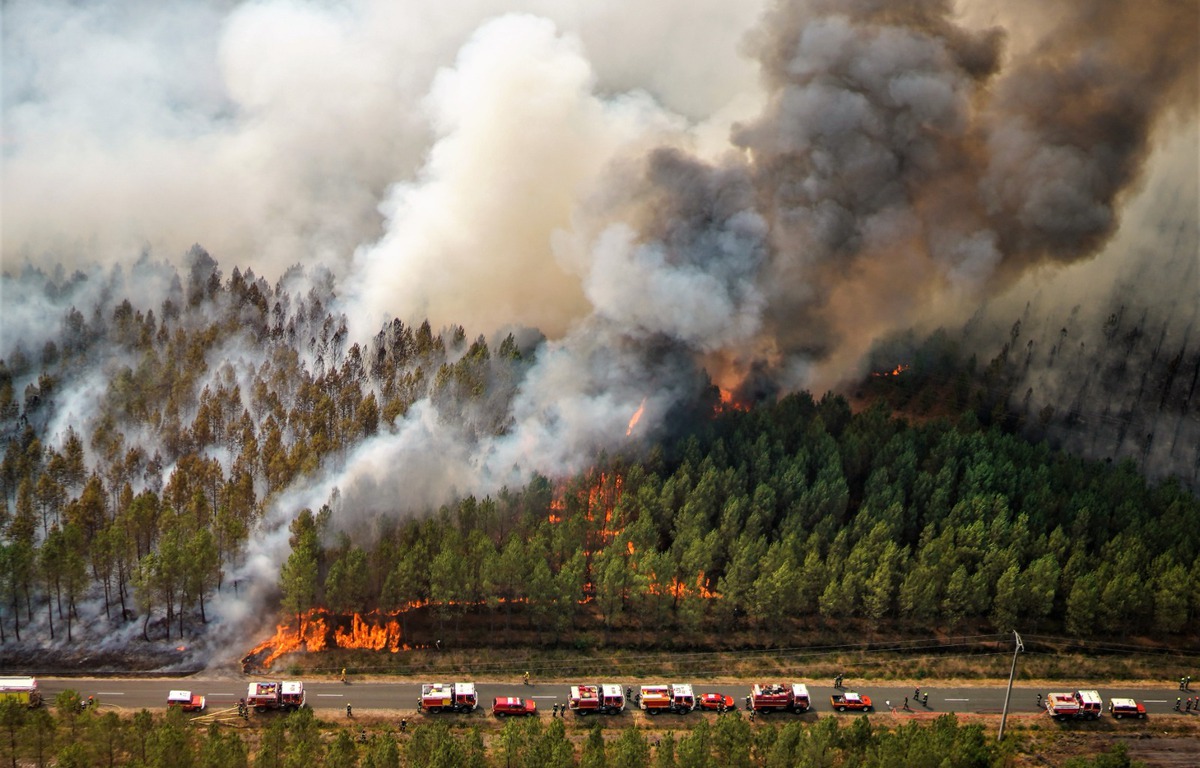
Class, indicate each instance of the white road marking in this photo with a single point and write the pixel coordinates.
(222, 694)
(1154, 701)
(110, 693)
(338, 695)
(543, 697)
(957, 699)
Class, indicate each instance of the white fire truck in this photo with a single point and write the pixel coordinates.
(1080, 705)
(779, 697)
(605, 699)
(675, 698)
(287, 695)
(447, 697)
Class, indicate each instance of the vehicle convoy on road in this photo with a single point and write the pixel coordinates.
(850, 701)
(186, 700)
(447, 697)
(1078, 705)
(1126, 708)
(676, 698)
(605, 699)
(509, 706)
(23, 689)
(287, 695)
(779, 697)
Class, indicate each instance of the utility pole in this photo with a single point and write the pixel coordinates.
(1012, 674)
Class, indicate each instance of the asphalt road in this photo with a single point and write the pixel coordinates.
(373, 695)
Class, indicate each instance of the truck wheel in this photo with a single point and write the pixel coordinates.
(434, 710)
(842, 708)
(866, 709)
(1116, 715)
(581, 712)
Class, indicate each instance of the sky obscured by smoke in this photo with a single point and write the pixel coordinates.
(753, 192)
(501, 163)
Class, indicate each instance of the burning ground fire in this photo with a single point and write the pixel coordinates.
(376, 632)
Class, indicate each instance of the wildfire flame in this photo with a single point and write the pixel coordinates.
(728, 402)
(899, 369)
(637, 415)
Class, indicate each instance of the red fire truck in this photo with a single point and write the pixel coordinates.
(186, 700)
(1080, 705)
(605, 699)
(676, 698)
(287, 695)
(447, 697)
(780, 697)
(850, 700)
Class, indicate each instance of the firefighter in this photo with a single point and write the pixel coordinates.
(362, 735)
(905, 703)
(403, 724)
(526, 677)
(555, 712)
(1177, 700)
(343, 674)
(349, 712)
(917, 694)
(925, 700)
(1039, 700)
(628, 693)
(752, 715)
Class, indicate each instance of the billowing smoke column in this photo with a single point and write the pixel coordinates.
(895, 163)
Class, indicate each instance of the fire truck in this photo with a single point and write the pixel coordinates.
(447, 697)
(186, 700)
(852, 701)
(605, 699)
(1126, 708)
(288, 695)
(23, 689)
(1080, 705)
(676, 698)
(779, 697)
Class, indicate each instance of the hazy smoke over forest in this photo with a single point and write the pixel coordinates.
(752, 193)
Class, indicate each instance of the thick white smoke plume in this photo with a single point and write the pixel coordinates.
(741, 192)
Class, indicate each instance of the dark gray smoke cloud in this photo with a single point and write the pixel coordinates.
(615, 177)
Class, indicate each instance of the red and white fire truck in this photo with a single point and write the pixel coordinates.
(850, 701)
(186, 700)
(779, 697)
(287, 695)
(676, 698)
(447, 697)
(1080, 705)
(1126, 708)
(604, 699)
